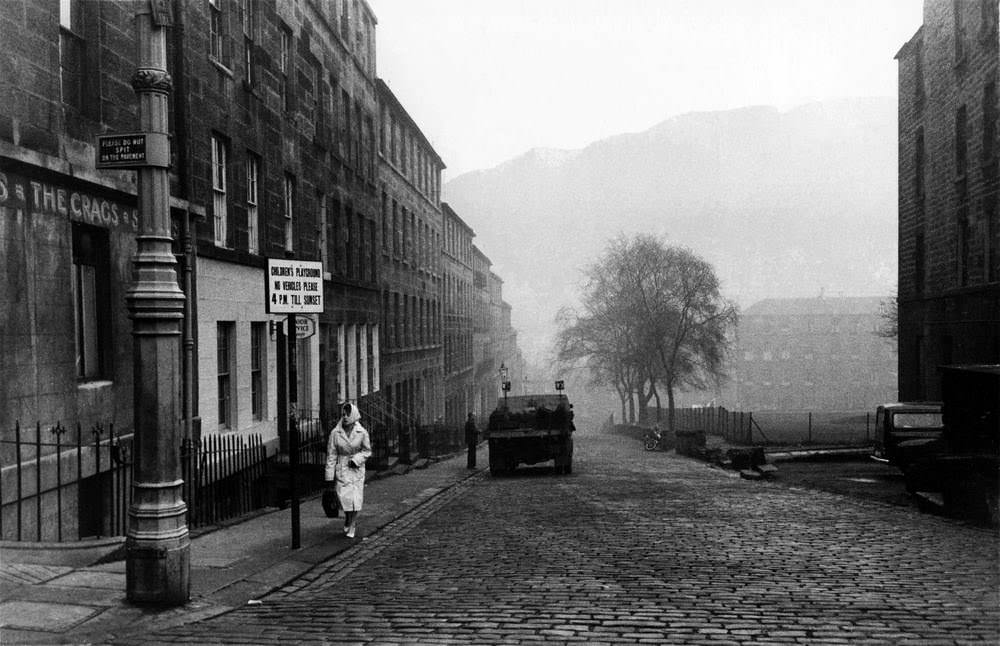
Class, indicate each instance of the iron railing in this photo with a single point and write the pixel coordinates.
(394, 432)
(438, 439)
(387, 426)
(64, 481)
(225, 477)
(70, 483)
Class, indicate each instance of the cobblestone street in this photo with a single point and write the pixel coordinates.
(637, 547)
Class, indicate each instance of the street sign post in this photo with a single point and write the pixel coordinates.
(294, 287)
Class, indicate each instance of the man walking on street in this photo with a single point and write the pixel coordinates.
(471, 439)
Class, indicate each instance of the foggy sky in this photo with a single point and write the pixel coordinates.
(487, 80)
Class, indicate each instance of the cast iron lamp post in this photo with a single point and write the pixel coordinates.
(157, 561)
(504, 384)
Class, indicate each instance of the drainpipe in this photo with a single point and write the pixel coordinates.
(182, 143)
(188, 332)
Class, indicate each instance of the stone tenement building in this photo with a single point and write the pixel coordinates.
(811, 354)
(413, 272)
(949, 226)
(458, 311)
(283, 144)
(288, 170)
(486, 376)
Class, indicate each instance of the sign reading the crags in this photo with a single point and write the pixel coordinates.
(21, 195)
(294, 286)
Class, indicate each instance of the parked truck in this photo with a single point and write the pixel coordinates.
(528, 429)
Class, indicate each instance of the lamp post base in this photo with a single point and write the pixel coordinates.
(158, 571)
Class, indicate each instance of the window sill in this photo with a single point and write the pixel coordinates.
(253, 90)
(221, 66)
(96, 384)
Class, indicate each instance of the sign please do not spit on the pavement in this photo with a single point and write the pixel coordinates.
(294, 286)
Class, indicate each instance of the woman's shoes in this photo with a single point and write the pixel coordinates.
(350, 531)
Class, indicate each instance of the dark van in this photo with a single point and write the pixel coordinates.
(906, 432)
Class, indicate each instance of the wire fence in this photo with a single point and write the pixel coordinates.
(779, 428)
(771, 428)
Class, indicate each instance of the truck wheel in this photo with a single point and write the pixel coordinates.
(568, 467)
(991, 503)
(496, 463)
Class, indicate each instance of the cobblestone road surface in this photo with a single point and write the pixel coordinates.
(638, 548)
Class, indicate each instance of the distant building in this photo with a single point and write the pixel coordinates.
(949, 227)
(494, 341)
(811, 354)
(503, 337)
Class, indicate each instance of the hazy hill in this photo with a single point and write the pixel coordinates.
(782, 203)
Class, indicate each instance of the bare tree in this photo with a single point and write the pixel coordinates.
(602, 344)
(889, 313)
(656, 311)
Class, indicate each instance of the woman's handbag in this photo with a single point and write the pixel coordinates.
(331, 504)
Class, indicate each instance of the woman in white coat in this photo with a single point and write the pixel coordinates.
(347, 450)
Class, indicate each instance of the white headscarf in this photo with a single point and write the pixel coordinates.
(351, 414)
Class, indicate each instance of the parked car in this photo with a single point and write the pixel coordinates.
(907, 432)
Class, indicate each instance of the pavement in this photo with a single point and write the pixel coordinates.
(74, 593)
(804, 453)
